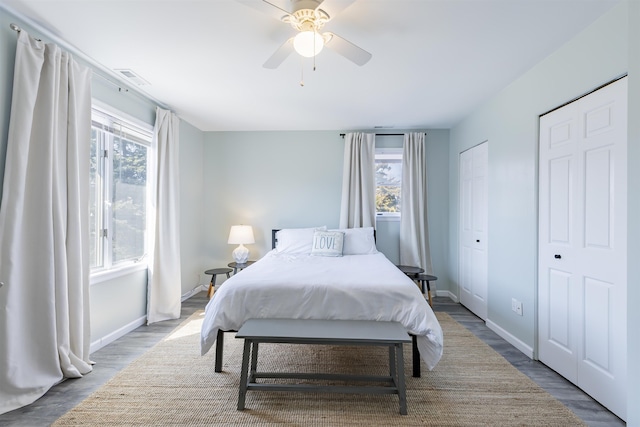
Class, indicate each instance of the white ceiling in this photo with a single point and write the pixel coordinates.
(433, 61)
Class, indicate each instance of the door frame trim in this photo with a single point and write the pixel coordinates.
(620, 77)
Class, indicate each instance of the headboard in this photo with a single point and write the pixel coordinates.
(275, 230)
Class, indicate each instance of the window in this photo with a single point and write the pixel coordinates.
(118, 190)
(388, 182)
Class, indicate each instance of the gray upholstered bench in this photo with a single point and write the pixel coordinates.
(328, 332)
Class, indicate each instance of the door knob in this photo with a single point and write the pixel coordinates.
(557, 256)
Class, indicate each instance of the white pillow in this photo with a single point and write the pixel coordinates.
(327, 243)
(296, 240)
(358, 241)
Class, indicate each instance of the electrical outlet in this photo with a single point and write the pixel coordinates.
(516, 306)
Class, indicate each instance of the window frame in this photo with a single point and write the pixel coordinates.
(388, 153)
(143, 135)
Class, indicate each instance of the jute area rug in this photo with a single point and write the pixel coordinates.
(172, 385)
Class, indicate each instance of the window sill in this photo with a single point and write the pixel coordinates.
(114, 273)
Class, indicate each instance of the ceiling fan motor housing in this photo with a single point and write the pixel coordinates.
(306, 16)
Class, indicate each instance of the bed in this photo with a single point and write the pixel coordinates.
(307, 276)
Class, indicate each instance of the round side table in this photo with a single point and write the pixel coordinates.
(410, 270)
(236, 266)
(425, 279)
(213, 272)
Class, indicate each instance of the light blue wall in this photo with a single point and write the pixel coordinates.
(509, 122)
(633, 273)
(294, 179)
(117, 303)
(438, 205)
(192, 207)
(268, 180)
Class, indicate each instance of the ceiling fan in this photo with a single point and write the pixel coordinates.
(308, 17)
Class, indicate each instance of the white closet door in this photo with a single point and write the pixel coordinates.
(473, 229)
(582, 287)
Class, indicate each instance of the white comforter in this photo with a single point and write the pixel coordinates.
(353, 287)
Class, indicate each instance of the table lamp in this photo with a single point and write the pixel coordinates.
(239, 235)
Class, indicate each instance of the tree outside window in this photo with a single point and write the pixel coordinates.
(388, 183)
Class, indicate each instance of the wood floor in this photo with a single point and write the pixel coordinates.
(112, 358)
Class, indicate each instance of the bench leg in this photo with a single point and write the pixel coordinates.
(219, 347)
(392, 363)
(416, 356)
(242, 394)
(402, 393)
(254, 362)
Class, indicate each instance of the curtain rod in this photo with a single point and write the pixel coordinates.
(101, 68)
(383, 134)
(17, 29)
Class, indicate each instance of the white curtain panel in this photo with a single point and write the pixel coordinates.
(414, 230)
(44, 249)
(358, 207)
(164, 286)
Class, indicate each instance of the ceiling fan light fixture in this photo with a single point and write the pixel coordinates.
(308, 43)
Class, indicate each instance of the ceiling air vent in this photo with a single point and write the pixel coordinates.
(129, 75)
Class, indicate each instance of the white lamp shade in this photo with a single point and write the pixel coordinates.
(241, 234)
(308, 43)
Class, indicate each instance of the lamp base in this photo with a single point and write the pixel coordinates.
(241, 254)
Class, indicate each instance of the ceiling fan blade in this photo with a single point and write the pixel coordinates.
(279, 55)
(275, 8)
(282, 5)
(347, 49)
(334, 7)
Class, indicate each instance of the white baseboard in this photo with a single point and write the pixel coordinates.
(448, 294)
(108, 339)
(192, 292)
(523, 347)
(520, 345)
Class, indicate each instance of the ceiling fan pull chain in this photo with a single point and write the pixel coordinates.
(301, 72)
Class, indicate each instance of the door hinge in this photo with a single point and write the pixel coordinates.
(104, 232)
